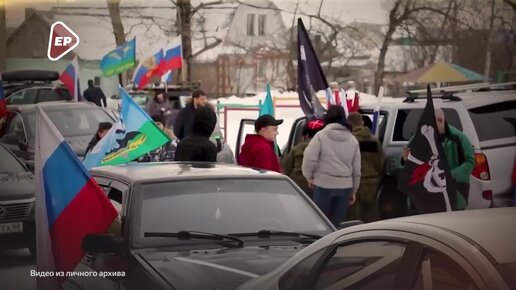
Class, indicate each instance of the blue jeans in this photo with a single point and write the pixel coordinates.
(333, 202)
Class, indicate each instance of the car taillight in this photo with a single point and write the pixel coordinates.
(481, 170)
(487, 195)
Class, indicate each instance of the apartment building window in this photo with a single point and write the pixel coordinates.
(250, 25)
(261, 24)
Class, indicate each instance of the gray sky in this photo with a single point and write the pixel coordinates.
(370, 11)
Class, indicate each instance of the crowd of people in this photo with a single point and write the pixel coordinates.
(339, 163)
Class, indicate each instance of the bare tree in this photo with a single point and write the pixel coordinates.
(3, 37)
(118, 29)
(400, 12)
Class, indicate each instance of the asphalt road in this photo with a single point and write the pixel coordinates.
(15, 266)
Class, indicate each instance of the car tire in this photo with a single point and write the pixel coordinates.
(32, 250)
(392, 203)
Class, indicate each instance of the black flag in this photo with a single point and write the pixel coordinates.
(310, 76)
(426, 177)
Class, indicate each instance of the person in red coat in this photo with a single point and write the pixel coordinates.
(258, 150)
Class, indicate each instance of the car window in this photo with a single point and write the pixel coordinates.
(407, 121)
(365, 265)
(18, 128)
(439, 272)
(368, 118)
(23, 97)
(299, 276)
(227, 206)
(9, 162)
(74, 122)
(49, 95)
(117, 194)
(495, 121)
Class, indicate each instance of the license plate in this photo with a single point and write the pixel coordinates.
(11, 228)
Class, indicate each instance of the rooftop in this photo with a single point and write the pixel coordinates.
(138, 172)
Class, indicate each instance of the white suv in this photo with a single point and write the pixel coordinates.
(487, 118)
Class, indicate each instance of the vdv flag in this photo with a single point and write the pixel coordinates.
(3, 103)
(119, 60)
(132, 136)
(172, 55)
(310, 76)
(267, 107)
(67, 209)
(147, 68)
(426, 177)
(70, 78)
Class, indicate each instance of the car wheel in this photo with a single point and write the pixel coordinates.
(391, 202)
(32, 250)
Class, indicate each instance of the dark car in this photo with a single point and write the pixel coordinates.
(468, 250)
(33, 86)
(17, 228)
(77, 122)
(197, 226)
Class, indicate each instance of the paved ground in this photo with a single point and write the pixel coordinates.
(15, 266)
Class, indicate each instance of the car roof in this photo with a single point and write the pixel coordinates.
(494, 229)
(50, 106)
(468, 99)
(161, 171)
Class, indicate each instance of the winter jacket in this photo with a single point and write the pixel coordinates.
(459, 153)
(95, 95)
(371, 153)
(197, 146)
(292, 166)
(184, 122)
(332, 159)
(224, 152)
(258, 152)
(155, 108)
(92, 144)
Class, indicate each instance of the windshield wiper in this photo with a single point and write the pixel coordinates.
(188, 235)
(269, 233)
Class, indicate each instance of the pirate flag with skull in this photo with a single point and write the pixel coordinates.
(426, 177)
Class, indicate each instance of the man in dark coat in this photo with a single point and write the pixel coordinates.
(197, 146)
(184, 120)
(101, 132)
(95, 95)
(258, 150)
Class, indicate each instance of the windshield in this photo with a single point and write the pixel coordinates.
(225, 206)
(73, 122)
(9, 162)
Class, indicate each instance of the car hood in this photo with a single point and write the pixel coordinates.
(16, 186)
(217, 269)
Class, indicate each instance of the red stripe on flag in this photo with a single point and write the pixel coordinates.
(69, 82)
(88, 213)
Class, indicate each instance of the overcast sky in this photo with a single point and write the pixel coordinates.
(371, 11)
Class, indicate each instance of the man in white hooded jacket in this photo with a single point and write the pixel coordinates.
(332, 165)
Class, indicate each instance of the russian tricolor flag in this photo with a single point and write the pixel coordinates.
(147, 68)
(70, 78)
(3, 104)
(173, 55)
(69, 203)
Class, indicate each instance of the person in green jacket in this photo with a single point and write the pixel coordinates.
(373, 158)
(293, 162)
(460, 155)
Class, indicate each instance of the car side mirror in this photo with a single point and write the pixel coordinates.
(11, 139)
(114, 97)
(102, 243)
(348, 224)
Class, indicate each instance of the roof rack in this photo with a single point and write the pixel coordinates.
(465, 88)
(443, 96)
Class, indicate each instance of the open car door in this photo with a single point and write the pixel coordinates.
(295, 135)
(246, 127)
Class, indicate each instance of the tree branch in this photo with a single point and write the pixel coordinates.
(208, 47)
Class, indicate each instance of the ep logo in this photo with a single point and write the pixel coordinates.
(61, 41)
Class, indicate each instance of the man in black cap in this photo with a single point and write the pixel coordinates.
(101, 132)
(258, 149)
